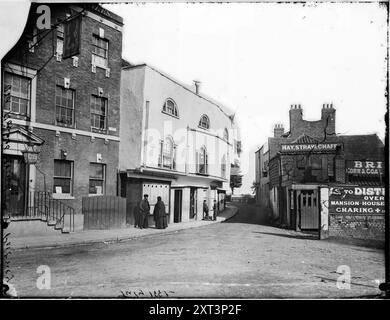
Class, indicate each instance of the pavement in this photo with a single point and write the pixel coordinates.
(112, 235)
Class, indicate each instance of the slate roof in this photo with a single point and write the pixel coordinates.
(362, 147)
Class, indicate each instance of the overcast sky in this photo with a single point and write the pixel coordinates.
(257, 59)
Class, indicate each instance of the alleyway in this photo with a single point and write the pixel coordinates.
(242, 257)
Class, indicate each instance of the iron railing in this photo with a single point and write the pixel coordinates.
(41, 205)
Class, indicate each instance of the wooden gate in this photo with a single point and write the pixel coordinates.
(104, 212)
(308, 209)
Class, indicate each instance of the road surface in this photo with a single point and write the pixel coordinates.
(242, 258)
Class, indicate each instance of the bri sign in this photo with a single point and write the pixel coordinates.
(308, 147)
(371, 168)
(358, 200)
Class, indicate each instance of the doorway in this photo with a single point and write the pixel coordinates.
(308, 209)
(193, 201)
(15, 185)
(178, 205)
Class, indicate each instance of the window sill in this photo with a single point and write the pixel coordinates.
(62, 196)
(95, 195)
(170, 114)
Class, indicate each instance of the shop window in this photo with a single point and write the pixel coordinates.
(100, 52)
(98, 114)
(63, 177)
(17, 94)
(97, 178)
(64, 106)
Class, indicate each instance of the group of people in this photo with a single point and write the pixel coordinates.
(206, 215)
(160, 215)
(143, 212)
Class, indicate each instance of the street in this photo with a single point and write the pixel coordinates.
(242, 258)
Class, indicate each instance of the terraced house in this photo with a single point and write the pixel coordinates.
(61, 100)
(175, 143)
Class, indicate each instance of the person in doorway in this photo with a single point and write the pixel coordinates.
(205, 210)
(215, 210)
(144, 210)
(159, 214)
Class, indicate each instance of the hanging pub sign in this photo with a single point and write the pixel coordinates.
(72, 37)
(364, 168)
(307, 147)
(358, 200)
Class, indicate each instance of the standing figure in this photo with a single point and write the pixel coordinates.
(215, 210)
(159, 214)
(144, 209)
(205, 210)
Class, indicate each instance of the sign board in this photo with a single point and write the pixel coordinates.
(72, 37)
(308, 147)
(364, 168)
(357, 200)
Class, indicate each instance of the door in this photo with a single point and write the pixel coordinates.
(193, 196)
(177, 208)
(308, 209)
(15, 185)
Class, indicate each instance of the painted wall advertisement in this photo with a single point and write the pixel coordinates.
(358, 200)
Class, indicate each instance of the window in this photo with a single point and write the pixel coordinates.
(98, 113)
(17, 90)
(202, 161)
(204, 122)
(63, 177)
(170, 108)
(64, 106)
(60, 38)
(226, 134)
(167, 154)
(223, 167)
(100, 52)
(97, 177)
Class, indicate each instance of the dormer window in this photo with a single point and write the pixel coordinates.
(170, 108)
(204, 122)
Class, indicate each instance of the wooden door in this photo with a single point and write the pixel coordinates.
(178, 205)
(309, 209)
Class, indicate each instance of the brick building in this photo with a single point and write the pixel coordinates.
(67, 107)
(295, 166)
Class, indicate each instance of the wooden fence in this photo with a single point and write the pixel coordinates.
(104, 212)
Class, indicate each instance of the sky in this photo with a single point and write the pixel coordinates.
(259, 58)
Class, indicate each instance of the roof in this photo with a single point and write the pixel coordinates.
(225, 110)
(365, 147)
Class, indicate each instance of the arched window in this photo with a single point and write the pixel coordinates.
(167, 153)
(204, 122)
(202, 161)
(223, 167)
(226, 134)
(170, 108)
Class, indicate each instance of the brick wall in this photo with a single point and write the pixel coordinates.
(82, 151)
(367, 227)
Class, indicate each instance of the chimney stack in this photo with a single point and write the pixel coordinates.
(328, 113)
(278, 130)
(295, 117)
(197, 86)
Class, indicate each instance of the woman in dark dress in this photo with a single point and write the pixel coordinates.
(159, 214)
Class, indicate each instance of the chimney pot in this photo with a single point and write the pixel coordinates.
(197, 86)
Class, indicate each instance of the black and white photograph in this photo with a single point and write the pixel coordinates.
(194, 150)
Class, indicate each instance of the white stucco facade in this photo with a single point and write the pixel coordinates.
(146, 127)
